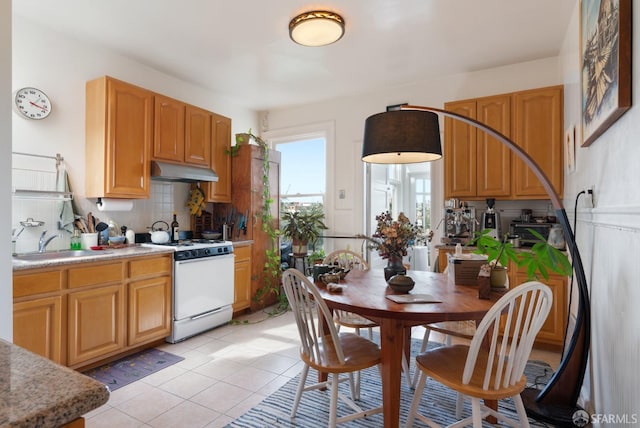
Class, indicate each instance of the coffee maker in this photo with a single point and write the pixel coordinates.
(460, 225)
(491, 219)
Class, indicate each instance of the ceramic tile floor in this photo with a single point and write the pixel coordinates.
(226, 371)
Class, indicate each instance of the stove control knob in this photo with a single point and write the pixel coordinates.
(206, 251)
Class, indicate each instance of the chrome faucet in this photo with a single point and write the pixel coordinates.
(42, 243)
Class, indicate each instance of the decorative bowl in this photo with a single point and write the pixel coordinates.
(329, 277)
(209, 234)
(401, 283)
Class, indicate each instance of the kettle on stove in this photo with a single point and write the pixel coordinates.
(491, 219)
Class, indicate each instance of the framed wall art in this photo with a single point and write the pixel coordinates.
(605, 53)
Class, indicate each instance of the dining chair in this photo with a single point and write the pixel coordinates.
(492, 366)
(326, 350)
(351, 260)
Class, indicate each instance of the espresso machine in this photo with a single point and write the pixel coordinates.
(491, 220)
(459, 225)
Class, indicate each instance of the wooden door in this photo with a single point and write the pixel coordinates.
(149, 303)
(538, 129)
(95, 323)
(242, 278)
(460, 170)
(168, 129)
(37, 326)
(197, 148)
(493, 157)
(220, 191)
(130, 118)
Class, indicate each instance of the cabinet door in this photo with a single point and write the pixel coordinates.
(197, 148)
(130, 118)
(168, 129)
(538, 129)
(149, 310)
(460, 152)
(96, 323)
(493, 157)
(37, 326)
(242, 278)
(220, 191)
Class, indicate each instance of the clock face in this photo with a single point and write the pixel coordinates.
(32, 103)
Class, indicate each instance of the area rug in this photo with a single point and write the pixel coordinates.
(438, 402)
(134, 367)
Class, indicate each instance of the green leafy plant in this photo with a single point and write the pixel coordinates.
(541, 259)
(317, 256)
(303, 227)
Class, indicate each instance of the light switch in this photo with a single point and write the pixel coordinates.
(342, 194)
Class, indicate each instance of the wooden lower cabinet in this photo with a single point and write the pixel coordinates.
(149, 309)
(82, 313)
(242, 278)
(96, 323)
(37, 326)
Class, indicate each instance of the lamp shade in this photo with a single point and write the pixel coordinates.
(402, 136)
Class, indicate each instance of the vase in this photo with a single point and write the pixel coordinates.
(394, 267)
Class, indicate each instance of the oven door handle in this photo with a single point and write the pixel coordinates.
(202, 259)
(206, 314)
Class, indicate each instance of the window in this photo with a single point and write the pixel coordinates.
(302, 173)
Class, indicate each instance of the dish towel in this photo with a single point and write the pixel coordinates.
(67, 215)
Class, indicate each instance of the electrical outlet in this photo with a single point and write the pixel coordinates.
(590, 197)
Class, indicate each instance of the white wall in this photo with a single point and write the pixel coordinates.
(60, 67)
(6, 295)
(609, 239)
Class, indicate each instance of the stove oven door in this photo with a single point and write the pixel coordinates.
(202, 285)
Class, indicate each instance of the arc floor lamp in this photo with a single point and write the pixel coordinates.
(411, 134)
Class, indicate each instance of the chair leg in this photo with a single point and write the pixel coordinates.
(476, 412)
(303, 379)
(522, 413)
(370, 333)
(333, 405)
(423, 347)
(417, 396)
(459, 404)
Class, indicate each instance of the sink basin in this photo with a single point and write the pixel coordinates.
(52, 255)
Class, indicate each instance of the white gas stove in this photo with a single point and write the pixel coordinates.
(203, 286)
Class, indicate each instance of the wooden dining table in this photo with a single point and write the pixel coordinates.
(365, 293)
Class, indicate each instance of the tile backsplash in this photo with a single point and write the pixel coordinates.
(165, 199)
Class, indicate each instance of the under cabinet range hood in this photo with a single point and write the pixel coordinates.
(164, 171)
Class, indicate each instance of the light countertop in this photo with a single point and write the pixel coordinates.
(35, 391)
(95, 256)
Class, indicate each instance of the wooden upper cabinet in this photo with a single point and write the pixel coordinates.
(197, 147)
(538, 128)
(119, 119)
(220, 191)
(493, 157)
(168, 129)
(460, 152)
(478, 167)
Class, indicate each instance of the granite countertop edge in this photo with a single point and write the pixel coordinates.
(43, 393)
(100, 255)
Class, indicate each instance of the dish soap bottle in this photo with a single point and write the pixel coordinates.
(75, 240)
(175, 229)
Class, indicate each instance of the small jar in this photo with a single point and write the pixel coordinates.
(76, 243)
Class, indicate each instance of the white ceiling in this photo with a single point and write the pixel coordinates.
(241, 48)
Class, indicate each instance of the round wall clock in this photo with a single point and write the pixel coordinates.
(32, 103)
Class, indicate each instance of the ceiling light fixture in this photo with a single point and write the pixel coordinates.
(400, 136)
(316, 28)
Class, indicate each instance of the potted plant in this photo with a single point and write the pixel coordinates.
(302, 228)
(316, 257)
(541, 259)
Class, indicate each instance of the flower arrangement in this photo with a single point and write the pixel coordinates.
(392, 237)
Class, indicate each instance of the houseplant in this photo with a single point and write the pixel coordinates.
(541, 259)
(302, 228)
(391, 239)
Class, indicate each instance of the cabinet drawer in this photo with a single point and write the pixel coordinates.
(36, 283)
(145, 267)
(243, 252)
(94, 275)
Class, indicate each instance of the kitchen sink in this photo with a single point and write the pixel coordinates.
(52, 255)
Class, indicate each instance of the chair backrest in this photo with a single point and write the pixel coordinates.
(525, 309)
(311, 312)
(346, 259)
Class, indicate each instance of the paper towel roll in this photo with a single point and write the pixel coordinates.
(104, 204)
